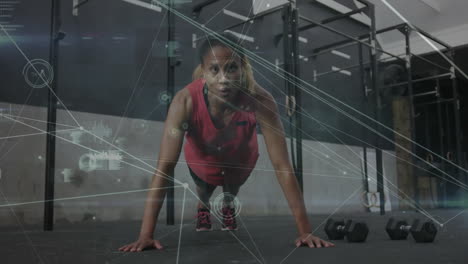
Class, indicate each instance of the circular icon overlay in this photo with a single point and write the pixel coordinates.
(38, 73)
(165, 98)
(218, 203)
(87, 163)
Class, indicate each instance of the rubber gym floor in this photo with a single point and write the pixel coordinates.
(258, 240)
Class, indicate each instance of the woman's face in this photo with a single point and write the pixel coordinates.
(222, 72)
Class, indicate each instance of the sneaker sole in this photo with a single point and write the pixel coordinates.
(204, 230)
(228, 229)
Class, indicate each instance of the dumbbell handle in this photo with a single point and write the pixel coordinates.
(405, 228)
(340, 228)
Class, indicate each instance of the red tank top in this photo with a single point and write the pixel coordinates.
(220, 156)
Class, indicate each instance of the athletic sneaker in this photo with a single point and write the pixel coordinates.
(203, 220)
(229, 220)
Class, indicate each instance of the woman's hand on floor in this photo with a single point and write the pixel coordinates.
(312, 241)
(142, 244)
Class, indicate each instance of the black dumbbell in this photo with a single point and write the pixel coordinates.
(354, 232)
(399, 230)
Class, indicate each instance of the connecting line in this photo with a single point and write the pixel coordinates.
(38, 120)
(232, 233)
(41, 133)
(139, 76)
(185, 185)
(150, 113)
(329, 216)
(6, 153)
(84, 197)
(425, 38)
(251, 239)
(90, 149)
(22, 229)
(175, 229)
(38, 73)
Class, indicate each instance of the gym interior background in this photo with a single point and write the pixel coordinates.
(371, 95)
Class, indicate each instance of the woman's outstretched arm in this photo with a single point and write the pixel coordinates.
(171, 145)
(268, 117)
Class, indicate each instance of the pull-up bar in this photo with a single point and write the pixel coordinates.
(198, 8)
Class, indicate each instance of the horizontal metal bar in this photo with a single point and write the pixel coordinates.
(334, 18)
(391, 28)
(362, 37)
(424, 94)
(429, 36)
(440, 76)
(430, 62)
(335, 71)
(327, 50)
(347, 42)
(334, 30)
(259, 15)
(345, 68)
(349, 37)
(367, 3)
(451, 100)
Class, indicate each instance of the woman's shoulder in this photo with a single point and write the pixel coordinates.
(184, 96)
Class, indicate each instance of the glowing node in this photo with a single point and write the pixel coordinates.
(165, 97)
(185, 185)
(218, 203)
(38, 73)
(140, 127)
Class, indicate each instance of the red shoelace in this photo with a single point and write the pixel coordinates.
(204, 217)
